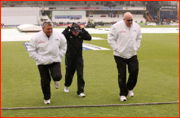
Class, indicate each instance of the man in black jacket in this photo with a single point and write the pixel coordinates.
(74, 60)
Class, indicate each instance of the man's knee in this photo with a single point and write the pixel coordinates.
(136, 70)
(57, 77)
(80, 75)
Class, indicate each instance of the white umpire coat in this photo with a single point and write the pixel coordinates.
(125, 41)
(46, 50)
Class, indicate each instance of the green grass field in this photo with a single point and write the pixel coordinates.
(158, 82)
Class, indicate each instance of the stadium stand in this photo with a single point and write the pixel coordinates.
(161, 12)
(98, 11)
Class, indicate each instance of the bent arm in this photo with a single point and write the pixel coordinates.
(63, 46)
(138, 39)
(66, 30)
(32, 50)
(86, 35)
(112, 35)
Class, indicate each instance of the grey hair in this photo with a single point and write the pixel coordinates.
(48, 22)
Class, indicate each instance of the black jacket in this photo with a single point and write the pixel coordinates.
(74, 43)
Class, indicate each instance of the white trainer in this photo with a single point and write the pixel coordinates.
(81, 95)
(123, 98)
(130, 93)
(56, 84)
(47, 101)
(66, 89)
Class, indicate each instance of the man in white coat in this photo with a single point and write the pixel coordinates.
(124, 37)
(47, 47)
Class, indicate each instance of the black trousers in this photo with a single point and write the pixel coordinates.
(53, 70)
(133, 69)
(72, 65)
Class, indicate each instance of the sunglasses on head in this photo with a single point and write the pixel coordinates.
(129, 20)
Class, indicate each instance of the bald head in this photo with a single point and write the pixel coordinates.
(128, 18)
(127, 15)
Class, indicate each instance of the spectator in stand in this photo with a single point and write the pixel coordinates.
(171, 21)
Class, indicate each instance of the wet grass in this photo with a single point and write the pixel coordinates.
(158, 82)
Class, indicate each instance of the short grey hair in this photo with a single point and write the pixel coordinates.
(47, 22)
